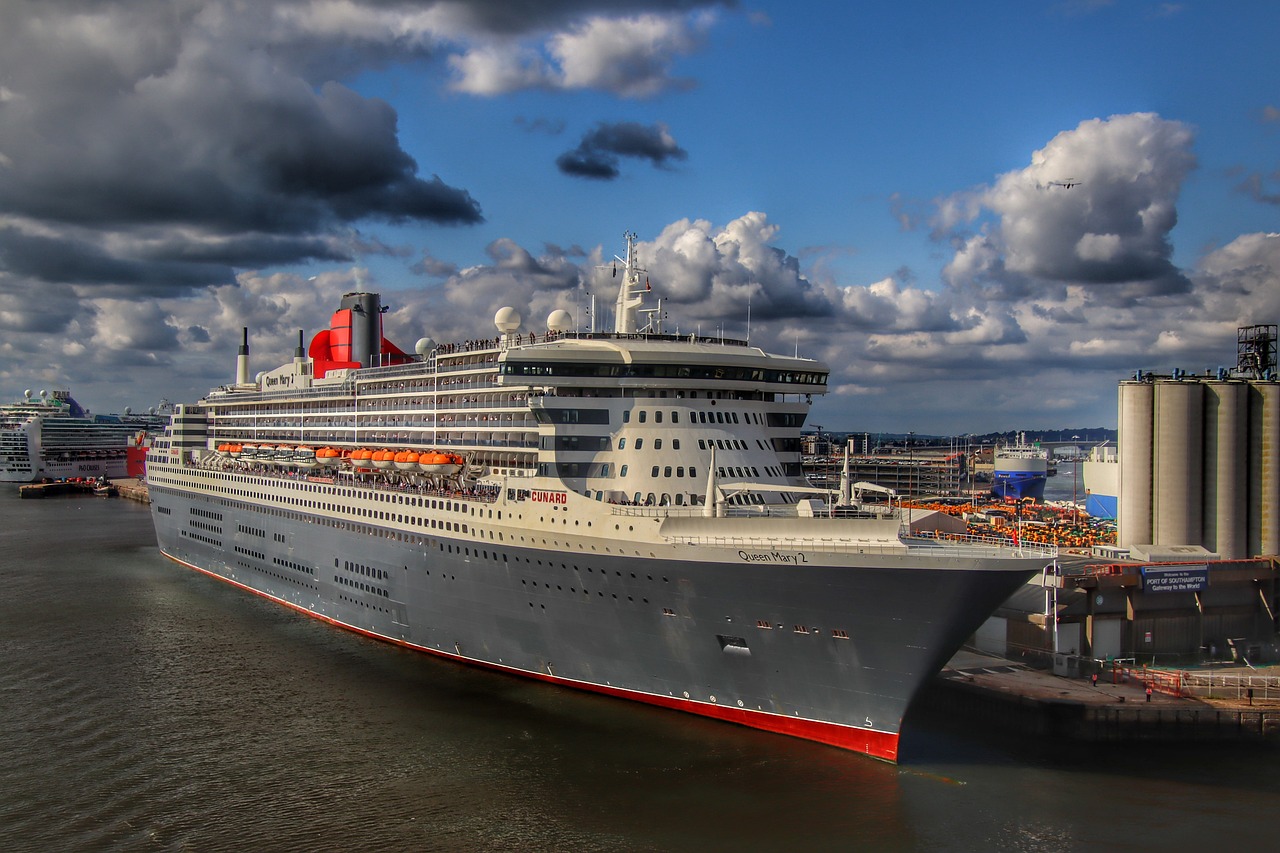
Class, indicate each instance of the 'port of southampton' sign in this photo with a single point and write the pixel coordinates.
(1175, 578)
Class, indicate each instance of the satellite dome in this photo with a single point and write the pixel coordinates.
(27, 393)
(507, 319)
(559, 320)
(128, 410)
(424, 346)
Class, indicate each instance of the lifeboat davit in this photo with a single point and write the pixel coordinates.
(407, 460)
(362, 459)
(383, 459)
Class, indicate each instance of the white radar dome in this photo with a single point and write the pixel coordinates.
(424, 346)
(27, 393)
(559, 320)
(128, 410)
(507, 319)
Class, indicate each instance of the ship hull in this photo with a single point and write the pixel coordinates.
(55, 469)
(1019, 485)
(830, 653)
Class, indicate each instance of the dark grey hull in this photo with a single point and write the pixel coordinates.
(832, 653)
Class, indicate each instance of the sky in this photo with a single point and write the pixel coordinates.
(981, 216)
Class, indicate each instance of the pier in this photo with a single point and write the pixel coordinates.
(1035, 702)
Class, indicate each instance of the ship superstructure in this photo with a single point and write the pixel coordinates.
(50, 435)
(621, 511)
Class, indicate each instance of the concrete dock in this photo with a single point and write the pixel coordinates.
(1036, 702)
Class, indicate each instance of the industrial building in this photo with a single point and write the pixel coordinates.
(1200, 455)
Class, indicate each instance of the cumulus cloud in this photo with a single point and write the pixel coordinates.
(1094, 208)
(598, 153)
(630, 56)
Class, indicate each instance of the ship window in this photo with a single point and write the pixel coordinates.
(639, 443)
(693, 472)
(643, 415)
(626, 416)
(622, 472)
(680, 499)
(675, 417)
(675, 444)
(702, 444)
(657, 417)
(680, 471)
(622, 444)
(657, 444)
(666, 472)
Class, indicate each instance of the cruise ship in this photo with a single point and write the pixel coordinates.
(618, 511)
(51, 436)
(1020, 471)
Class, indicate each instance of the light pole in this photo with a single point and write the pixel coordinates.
(911, 462)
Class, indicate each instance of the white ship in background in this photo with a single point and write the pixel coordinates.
(50, 435)
(622, 512)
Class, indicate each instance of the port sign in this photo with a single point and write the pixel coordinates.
(1175, 578)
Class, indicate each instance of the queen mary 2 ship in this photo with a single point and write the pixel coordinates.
(622, 512)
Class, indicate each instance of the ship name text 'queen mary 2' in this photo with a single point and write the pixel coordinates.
(622, 512)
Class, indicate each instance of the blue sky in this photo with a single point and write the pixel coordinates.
(881, 182)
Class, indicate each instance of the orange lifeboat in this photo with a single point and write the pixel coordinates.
(234, 450)
(433, 462)
(383, 459)
(328, 456)
(362, 459)
(407, 460)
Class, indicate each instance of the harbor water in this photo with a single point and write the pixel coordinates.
(144, 706)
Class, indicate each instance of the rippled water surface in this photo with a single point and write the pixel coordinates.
(147, 707)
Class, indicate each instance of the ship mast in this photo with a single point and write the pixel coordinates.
(630, 291)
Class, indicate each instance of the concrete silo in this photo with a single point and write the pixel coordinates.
(1226, 458)
(1137, 417)
(1177, 488)
(1264, 468)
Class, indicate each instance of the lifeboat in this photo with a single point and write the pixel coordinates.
(284, 454)
(440, 464)
(267, 454)
(407, 460)
(328, 457)
(234, 450)
(248, 451)
(304, 456)
(224, 450)
(384, 459)
(362, 459)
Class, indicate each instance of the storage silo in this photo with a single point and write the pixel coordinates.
(1226, 456)
(1137, 417)
(1264, 466)
(1178, 463)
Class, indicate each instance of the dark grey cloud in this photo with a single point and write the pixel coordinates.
(597, 155)
(168, 142)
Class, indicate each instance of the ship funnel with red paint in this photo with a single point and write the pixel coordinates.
(354, 337)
